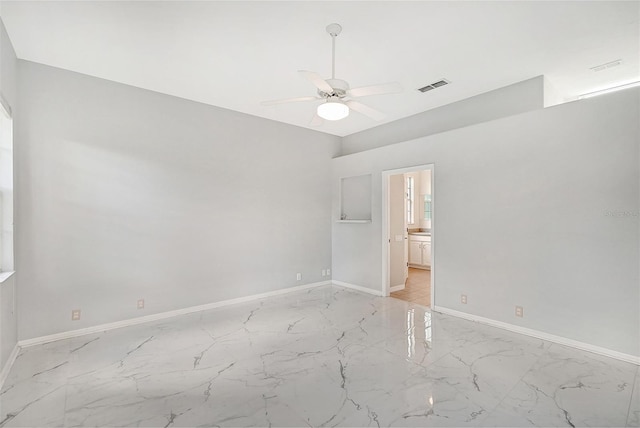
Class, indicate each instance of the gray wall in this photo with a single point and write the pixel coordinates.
(8, 328)
(523, 217)
(8, 333)
(125, 194)
(513, 99)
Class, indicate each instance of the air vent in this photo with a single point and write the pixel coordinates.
(426, 88)
(607, 65)
(434, 85)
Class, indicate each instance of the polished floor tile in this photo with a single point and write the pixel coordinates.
(321, 357)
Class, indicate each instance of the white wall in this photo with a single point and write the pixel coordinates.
(127, 194)
(513, 99)
(8, 320)
(552, 96)
(522, 218)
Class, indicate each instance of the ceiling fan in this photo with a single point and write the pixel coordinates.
(336, 93)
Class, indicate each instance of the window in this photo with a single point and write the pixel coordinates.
(427, 207)
(6, 188)
(410, 200)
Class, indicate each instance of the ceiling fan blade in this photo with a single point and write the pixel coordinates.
(366, 110)
(316, 120)
(317, 80)
(288, 100)
(365, 91)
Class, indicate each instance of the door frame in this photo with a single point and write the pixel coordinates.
(386, 236)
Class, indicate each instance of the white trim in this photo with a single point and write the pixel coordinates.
(358, 288)
(396, 288)
(6, 275)
(385, 235)
(542, 335)
(368, 220)
(7, 366)
(163, 315)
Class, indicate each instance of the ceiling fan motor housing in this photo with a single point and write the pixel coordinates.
(340, 88)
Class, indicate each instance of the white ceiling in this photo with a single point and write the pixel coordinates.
(235, 54)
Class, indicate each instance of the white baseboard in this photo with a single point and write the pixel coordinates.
(7, 366)
(163, 315)
(542, 335)
(358, 288)
(396, 288)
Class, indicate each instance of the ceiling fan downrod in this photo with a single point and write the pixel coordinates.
(333, 30)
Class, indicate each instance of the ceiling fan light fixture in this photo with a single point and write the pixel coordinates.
(337, 94)
(333, 110)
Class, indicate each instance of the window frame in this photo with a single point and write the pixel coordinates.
(410, 192)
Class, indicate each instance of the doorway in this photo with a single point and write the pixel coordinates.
(408, 218)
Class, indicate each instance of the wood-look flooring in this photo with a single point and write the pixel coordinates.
(417, 289)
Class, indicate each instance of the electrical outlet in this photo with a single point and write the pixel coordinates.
(463, 299)
(141, 304)
(298, 276)
(519, 311)
(324, 272)
(75, 315)
(328, 272)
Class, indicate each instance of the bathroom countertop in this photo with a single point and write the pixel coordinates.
(420, 232)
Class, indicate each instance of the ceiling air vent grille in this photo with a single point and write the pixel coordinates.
(434, 85)
(607, 65)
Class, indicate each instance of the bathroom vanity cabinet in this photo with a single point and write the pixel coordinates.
(420, 251)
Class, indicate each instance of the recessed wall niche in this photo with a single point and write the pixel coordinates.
(355, 199)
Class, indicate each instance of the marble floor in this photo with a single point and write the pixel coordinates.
(321, 357)
(417, 288)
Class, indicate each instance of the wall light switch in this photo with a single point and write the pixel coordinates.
(75, 315)
(328, 271)
(324, 272)
(141, 304)
(519, 311)
(298, 276)
(463, 299)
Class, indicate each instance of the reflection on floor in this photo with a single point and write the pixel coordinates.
(417, 288)
(320, 357)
